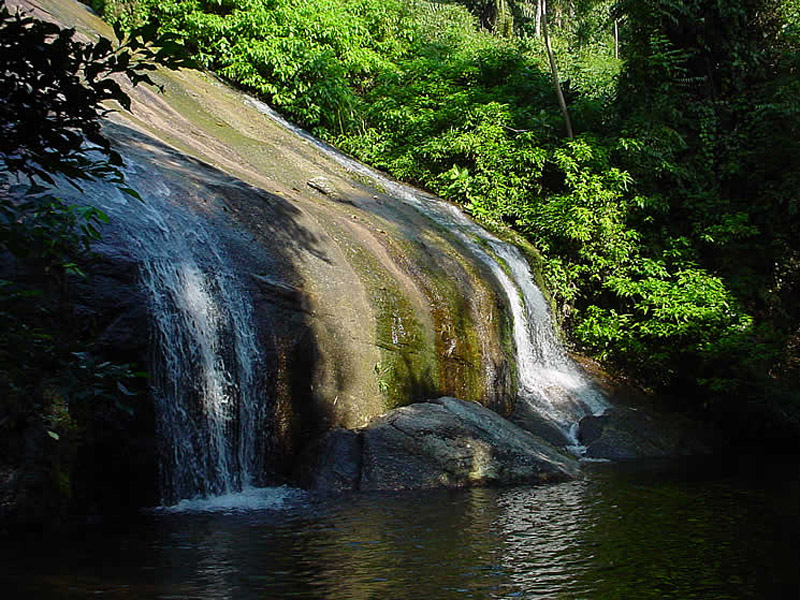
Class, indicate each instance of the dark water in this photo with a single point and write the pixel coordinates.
(633, 532)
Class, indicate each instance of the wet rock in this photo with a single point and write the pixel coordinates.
(110, 303)
(442, 443)
(625, 433)
(280, 292)
(332, 463)
(527, 418)
(324, 186)
(591, 428)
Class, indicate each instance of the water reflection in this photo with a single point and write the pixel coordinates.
(541, 531)
(616, 534)
(435, 545)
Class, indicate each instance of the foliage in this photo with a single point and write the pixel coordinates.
(43, 367)
(709, 89)
(53, 95)
(54, 91)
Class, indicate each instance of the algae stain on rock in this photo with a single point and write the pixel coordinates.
(470, 331)
(406, 372)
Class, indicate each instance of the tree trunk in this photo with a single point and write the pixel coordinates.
(562, 104)
(538, 18)
(503, 24)
(616, 38)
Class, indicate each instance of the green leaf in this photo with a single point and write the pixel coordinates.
(125, 390)
(131, 192)
(73, 269)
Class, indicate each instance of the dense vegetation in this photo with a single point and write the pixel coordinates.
(668, 223)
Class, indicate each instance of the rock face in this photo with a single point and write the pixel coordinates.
(442, 443)
(113, 303)
(366, 303)
(361, 302)
(332, 463)
(625, 433)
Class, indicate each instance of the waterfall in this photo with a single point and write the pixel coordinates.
(208, 383)
(549, 382)
(211, 409)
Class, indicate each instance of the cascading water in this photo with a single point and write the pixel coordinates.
(205, 365)
(208, 383)
(549, 381)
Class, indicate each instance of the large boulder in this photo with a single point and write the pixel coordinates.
(442, 443)
(627, 433)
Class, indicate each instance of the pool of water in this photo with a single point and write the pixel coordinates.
(644, 531)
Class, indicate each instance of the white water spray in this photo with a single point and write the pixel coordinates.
(211, 408)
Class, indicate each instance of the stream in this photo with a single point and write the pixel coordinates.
(638, 531)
